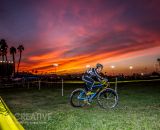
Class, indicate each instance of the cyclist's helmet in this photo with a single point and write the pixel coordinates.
(99, 65)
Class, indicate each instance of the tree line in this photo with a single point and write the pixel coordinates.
(4, 50)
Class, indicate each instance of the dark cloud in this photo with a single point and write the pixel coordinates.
(110, 42)
(143, 14)
(40, 51)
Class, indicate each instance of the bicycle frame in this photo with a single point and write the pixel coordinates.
(91, 97)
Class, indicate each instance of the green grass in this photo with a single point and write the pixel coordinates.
(138, 108)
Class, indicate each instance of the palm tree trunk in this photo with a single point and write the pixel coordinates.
(2, 57)
(19, 63)
(13, 64)
(6, 58)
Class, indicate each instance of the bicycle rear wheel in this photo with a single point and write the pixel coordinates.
(77, 98)
(107, 98)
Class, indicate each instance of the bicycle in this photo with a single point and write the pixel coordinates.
(107, 97)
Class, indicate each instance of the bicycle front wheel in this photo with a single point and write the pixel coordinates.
(77, 98)
(107, 98)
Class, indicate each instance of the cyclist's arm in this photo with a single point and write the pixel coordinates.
(100, 78)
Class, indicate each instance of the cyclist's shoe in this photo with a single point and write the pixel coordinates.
(89, 93)
(87, 102)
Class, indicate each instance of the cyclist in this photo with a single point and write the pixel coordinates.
(89, 76)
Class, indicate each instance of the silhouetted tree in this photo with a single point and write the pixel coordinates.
(20, 49)
(0, 49)
(3, 47)
(13, 52)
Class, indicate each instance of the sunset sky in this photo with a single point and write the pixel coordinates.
(75, 33)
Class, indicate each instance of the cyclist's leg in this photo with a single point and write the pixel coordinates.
(89, 83)
(88, 87)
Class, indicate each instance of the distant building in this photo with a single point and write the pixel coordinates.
(6, 68)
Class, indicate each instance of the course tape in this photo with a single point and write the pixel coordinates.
(127, 81)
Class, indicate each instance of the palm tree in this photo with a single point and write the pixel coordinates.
(0, 48)
(20, 48)
(4, 47)
(13, 52)
(158, 60)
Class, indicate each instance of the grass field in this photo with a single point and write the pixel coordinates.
(138, 108)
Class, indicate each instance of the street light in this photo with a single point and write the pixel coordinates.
(112, 67)
(55, 65)
(131, 68)
(88, 66)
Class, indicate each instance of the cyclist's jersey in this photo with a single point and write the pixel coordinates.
(91, 73)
